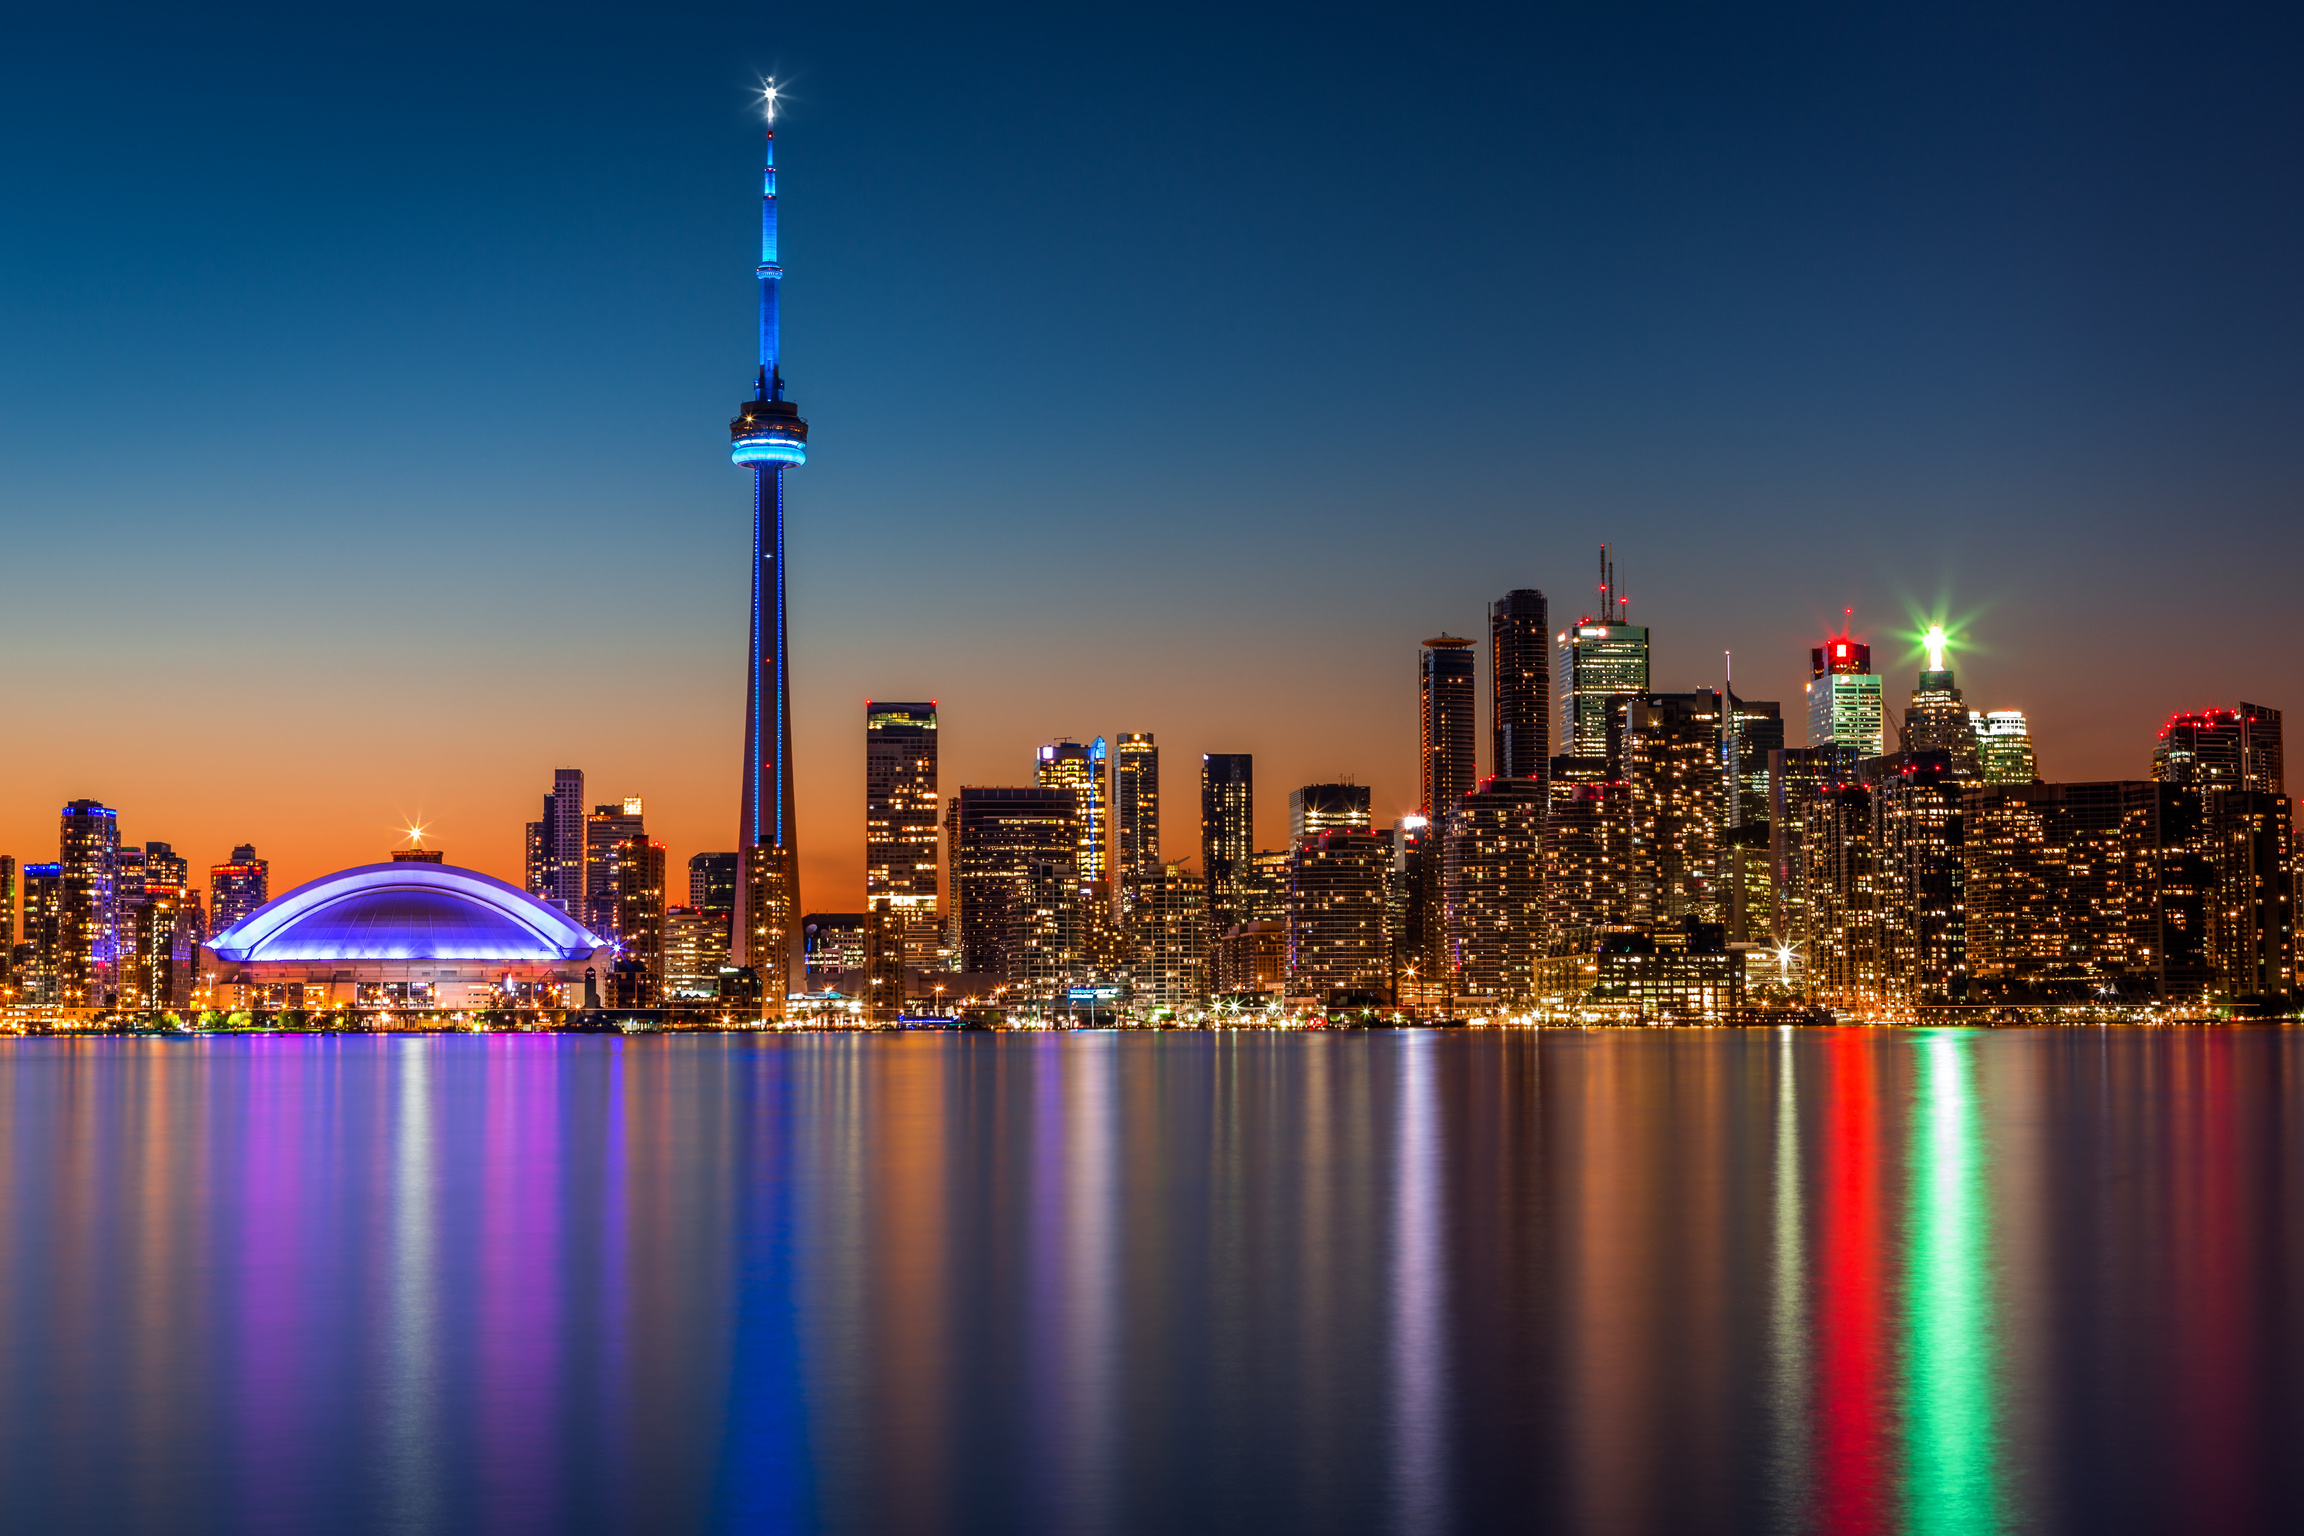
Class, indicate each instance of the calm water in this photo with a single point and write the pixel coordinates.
(1861, 1280)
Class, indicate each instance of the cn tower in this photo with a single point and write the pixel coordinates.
(768, 437)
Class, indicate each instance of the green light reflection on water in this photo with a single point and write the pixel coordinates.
(1951, 1461)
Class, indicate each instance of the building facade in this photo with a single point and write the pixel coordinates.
(1448, 682)
(1323, 807)
(1493, 884)
(2004, 747)
(900, 815)
(1520, 684)
(1845, 711)
(1136, 807)
(1227, 834)
(1082, 770)
(88, 914)
(1336, 927)
(238, 887)
(1015, 880)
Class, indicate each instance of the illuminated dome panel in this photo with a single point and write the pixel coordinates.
(406, 912)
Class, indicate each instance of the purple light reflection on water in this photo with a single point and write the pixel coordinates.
(1342, 1283)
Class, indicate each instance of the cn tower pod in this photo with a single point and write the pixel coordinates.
(767, 434)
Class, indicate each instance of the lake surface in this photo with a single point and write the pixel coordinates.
(1677, 1281)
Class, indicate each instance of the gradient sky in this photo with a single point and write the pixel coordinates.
(364, 377)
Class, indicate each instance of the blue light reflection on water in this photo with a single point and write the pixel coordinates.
(1362, 1282)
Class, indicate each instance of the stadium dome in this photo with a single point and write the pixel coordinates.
(406, 911)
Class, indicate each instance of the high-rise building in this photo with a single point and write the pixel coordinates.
(1169, 966)
(768, 437)
(606, 831)
(1415, 912)
(1759, 731)
(1796, 776)
(1601, 659)
(1318, 807)
(166, 869)
(1448, 682)
(88, 911)
(1494, 884)
(1227, 834)
(1936, 720)
(1520, 684)
(640, 874)
(1011, 850)
(1845, 711)
(1081, 769)
(1136, 807)
(2004, 747)
(2222, 749)
(237, 887)
(1265, 891)
(1920, 915)
(695, 948)
(7, 926)
(834, 945)
(556, 862)
(1837, 886)
(900, 816)
(160, 949)
(1587, 854)
(712, 896)
(1336, 927)
(2248, 838)
(38, 976)
(884, 940)
(1667, 753)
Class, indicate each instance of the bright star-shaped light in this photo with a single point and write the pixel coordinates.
(1935, 642)
(768, 99)
(416, 836)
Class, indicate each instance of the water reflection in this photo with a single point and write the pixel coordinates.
(1862, 1280)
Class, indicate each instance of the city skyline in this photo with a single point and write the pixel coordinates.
(1780, 439)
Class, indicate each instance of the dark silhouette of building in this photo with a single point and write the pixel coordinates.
(88, 910)
(1320, 807)
(1227, 834)
(1520, 684)
(1015, 879)
(1446, 671)
(2222, 749)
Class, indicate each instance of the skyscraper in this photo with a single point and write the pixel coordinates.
(1494, 884)
(1227, 834)
(2004, 747)
(606, 831)
(237, 887)
(36, 977)
(1169, 940)
(900, 814)
(1668, 754)
(1602, 658)
(1936, 721)
(556, 861)
(768, 437)
(1844, 707)
(1520, 681)
(1336, 921)
(1014, 851)
(1447, 677)
(1081, 769)
(88, 908)
(640, 920)
(2222, 749)
(7, 924)
(1136, 807)
(1316, 808)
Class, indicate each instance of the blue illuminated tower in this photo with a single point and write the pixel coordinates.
(768, 437)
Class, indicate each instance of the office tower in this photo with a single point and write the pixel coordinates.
(1336, 927)
(1169, 967)
(1415, 910)
(2004, 747)
(1747, 887)
(695, 947)
(7, 926)
(166, 869)
(88, 910)
(2248, 835)
(1227, 834)
(1936, 720)
(712, 895)
(900, 815)
(1587, 853)
(1265, 891)
(160, 950)
(127, 896)
(2222, 749)
(1447, 670)
(1837, 888)
(1844, 705)
(556, 862)
(1318, 807)
(1011, 850)
(1667, 753)
(768, 437)
(39, 975)
(1920, 918)
(606, 831)
(1494, 887)
(237, 887)
(884, 942)
(1796, 775)
(639, 874)
(1520, 684)
(1601, 659)
(1759, 731)
(1069, 765)
(1136, 807)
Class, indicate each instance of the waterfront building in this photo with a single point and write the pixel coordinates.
(767, 438)
(406, 936)
(1666, 751)
(1936, 720)
(556, 863)
(166, 869)
(1266, 889)
(2004, 747)
(1081, 769)
(1416, 915)
(1227, 834)
(1015, 852)
(640, 872)
(1493, 887)
(1600, 659)
(238, 886)
(2222, 749)
(695, 949)
(606, 831)
(88, 912)
(7, 926)
(1587, 853)
(885, 939)
(1520, 684)
(833, 944)
(160, 950)
(1759, 731)
(1841, 936)
(1251, 958)
(1845, 711)
(1319, 807)
(1336, 927)
(1169, 965)
(38, 975)
(900, 815)
(2249, 837)
(1680, 975)
(1448, 673)
(1136, 808)
(1796, 775)
(1918, 832)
